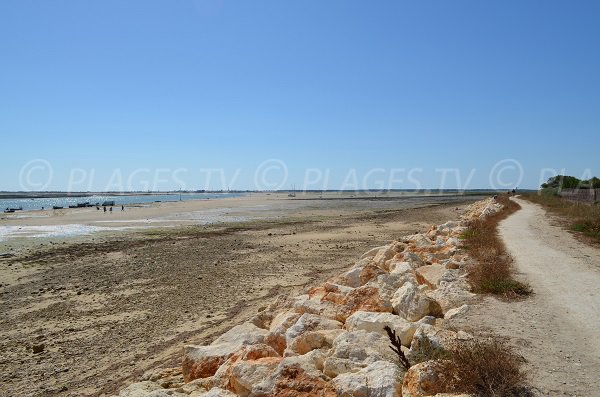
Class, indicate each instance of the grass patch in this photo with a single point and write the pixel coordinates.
(493, 272)
(583, 218)
(504, 286)
(486, 367)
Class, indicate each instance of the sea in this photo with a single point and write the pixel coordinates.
(31, 204)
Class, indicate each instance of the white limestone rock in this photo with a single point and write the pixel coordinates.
(354, 350)
(411, 304)
(375, 322)
(379, 379)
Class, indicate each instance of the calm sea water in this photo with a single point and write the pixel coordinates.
(47, 203)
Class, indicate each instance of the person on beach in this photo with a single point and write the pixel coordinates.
(122, 207)
(105, 210)
(111, 209)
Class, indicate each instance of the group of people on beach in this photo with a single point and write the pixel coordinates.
(110, 209)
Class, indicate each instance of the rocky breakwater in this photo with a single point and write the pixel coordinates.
(331, 341)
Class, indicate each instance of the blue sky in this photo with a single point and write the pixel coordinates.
(115, 93)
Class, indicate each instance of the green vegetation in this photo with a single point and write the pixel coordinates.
(493, 272)
(580, 217)
(583, 218)
(558, 182)
(571, 182)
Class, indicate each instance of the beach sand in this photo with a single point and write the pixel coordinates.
(110, 305)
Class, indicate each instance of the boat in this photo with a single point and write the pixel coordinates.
(108, 203)
(56, 207)
(9, 211)
(81, 205)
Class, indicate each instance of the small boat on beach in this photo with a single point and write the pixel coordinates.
(56, 207)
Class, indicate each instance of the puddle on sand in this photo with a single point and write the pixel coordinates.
(8, 232)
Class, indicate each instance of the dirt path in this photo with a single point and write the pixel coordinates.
(557, 330)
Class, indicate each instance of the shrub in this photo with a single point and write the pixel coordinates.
(493, 271)
(583, 218)
(486, 367)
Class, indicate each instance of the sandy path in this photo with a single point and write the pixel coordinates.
(557, 330)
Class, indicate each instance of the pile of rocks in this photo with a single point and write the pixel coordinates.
(331, 341)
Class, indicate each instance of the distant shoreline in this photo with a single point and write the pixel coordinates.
(26, 195)
(467, 192)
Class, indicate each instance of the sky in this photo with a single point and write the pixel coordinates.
(217, 94)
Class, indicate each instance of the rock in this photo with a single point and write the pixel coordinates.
(453, 242)
(310, 322)
(304, 304)
(278, 327)
(251, 354)
(447, 228)
(459, 311)
(243, 377)
(329, 291)
(282, 321)
(400, 267)
(375, 322)
(352, 277)
(379, 379)
(262, 319)
(365, 298)
(383, 255)
(408, 303)
(370, 272)
(430, 275)
(245, 374)
(414, 259)
(37, 348)
(312, 340)
(425, 379)
(244, 334)
(203, 361)
(373, 251)
(292, 380)
(449, 264)
(430, 337)
(387, 284)
(451, 295)
(354, 350)
(420, 241)
(360, 275)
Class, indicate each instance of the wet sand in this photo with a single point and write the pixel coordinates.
(108, 306)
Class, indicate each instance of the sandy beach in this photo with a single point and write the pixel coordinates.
(107, 304)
